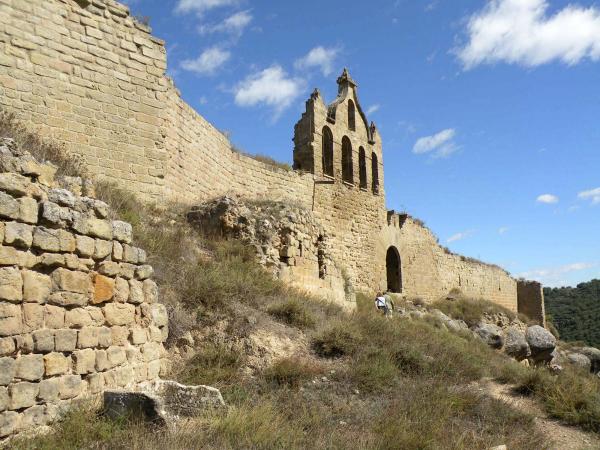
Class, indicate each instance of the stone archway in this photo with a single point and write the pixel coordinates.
(394, 270)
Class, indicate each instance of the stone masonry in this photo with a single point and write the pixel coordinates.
(78, 306)
(87, 75)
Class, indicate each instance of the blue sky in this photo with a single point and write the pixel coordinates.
(489, 110)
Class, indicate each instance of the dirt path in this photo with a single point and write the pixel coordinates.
(562, 436)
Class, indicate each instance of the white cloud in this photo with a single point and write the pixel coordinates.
(547, 198)
(234, 24)
(592, 194)
(503, 230)
(459, 236)
(272, 87)
(372, 109)
(552, 276)
(209, 61)
(321, 57)
(522, 32)
(200, 6)
(440, 144)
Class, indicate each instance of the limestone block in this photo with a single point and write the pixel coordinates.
(122, 231)
(10, 319)
(52, 260)
(9, 207)
(136, 292)
(87, 337)
(33, 316)
(85, 245)
(43, 341)
(143, 272)
(18, 234)
(70, 386)
(130, 254)
(104, 289)
(28, 210)
(56, 364)
(22, 395)
(119, 335)
(54, 316)
(139, 336)
(10, 422)
(36, 286)
(96, 314)
(65, 340)
(62, 197)
(98, 228)
(96, 383)
(157, 312)
(49, 388)
(155, 334)
(29, 367)
(134, 355)
(103, 249)
(7, 346)
(127, 270)
(11, 284)
(109, 268)
(154, 369)
(150, 291)
(34, 417)
(121, 290)
(4, 399)
(7, 371)
(68, 299)
(116, 356)
(151, 351)
(55, 215)
(117, 253)
(84, 361)
(53, 240)
(119, 313)
(104, 337)
(15, 184)
(78, 318)
(102, 362)
(71, 281)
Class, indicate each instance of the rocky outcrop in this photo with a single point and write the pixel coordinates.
(79, 310)
(541, 342)
(515, 344)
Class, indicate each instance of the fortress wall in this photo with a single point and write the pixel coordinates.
(93, 79)
(428, 271)
(79, 312)
(531, 300)
(202, 164)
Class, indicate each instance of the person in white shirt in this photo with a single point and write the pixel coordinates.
(381, 304)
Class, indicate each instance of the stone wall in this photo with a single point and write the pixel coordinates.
(430, 272)
(531, 300)
(78, 307)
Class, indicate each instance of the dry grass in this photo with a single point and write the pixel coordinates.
(470, 310)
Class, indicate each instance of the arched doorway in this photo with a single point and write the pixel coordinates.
(394, 270)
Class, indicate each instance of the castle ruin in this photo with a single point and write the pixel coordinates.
(86, 74)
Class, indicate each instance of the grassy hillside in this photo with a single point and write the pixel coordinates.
(576, 312)
(297, 372)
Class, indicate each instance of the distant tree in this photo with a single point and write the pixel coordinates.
(576, 311)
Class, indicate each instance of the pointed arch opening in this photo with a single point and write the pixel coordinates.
(351, 115)
(362, 166)
(394, 270)
(327, 152)
(347, 169)
(374, 173)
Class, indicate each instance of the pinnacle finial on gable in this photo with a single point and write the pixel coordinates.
(345, 78)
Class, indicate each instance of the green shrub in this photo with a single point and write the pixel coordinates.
(215, 364)
(470, 310)
(338, 340)
(292, 371)
(293, 312)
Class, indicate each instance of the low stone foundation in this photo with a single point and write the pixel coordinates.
(78, 307)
